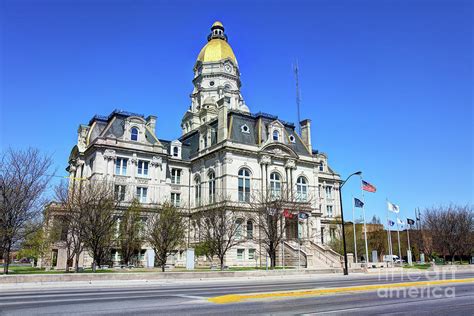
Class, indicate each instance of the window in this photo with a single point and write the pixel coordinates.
(328, 192)
(176, 199)
(329, 210)
(197, 191)
(121, 166)
(245, 129)
(212, 187)
(175, 176)
(142, 168)
(227, 100)
(141, 194)
(332, 233)
(134, 134)
(251, 254)
(175, 151)
(301, 189)
(276, 135)
(240, 254)
(321, 166)
(275, 185)
(292, 139)
(322, 235)
(238, 229)
(244, 185)
(249, 229)
(211, 83)
(119, 192)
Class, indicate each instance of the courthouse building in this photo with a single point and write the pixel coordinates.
(225, 150)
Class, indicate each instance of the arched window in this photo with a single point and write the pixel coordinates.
(321, 166)
(301, 189)
(244, 185)
(134, 134)
(276, 135)
(238, 228)
(175, 151)
(212, 187)
(197, 191)
(275, 184)
(249, 229)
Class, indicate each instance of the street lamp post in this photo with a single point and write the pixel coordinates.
(346, 269)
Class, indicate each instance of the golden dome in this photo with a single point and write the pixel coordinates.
(216, 49)
(218, 23)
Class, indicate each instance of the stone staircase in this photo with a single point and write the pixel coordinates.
(313, 255)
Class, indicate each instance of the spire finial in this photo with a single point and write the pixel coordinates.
(217, 31)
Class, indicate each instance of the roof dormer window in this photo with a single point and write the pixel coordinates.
(292, 139)
(276, 135)
(134, 134)
(245, 129)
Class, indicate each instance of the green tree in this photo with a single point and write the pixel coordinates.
(165, 232)
(130, 232)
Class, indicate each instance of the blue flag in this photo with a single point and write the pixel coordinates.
(358, 203)
(391, 223)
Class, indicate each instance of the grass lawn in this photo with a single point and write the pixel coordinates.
(14, 270)
(418, 266)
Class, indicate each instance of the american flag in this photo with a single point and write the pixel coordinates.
(368, 187)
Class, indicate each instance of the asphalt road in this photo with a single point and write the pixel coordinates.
(191, 298)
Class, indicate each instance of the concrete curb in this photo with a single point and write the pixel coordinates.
(152, 276)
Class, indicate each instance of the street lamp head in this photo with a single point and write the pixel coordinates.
(358, 173)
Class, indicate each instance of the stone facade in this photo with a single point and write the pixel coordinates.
(220, 142)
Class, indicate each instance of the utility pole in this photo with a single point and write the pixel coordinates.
(298, 98)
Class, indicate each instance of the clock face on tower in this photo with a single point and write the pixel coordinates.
(228, 67)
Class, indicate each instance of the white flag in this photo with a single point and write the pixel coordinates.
(400, 222)
(393, 207)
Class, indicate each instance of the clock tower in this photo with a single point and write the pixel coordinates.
(216, 78)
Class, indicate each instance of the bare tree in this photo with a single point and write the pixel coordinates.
(222, 230)
(450, 229)
(165, 232)
(24, 179)
(130, 234)
(98, 219)
(273, 210)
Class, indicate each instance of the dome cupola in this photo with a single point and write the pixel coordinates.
(217, 47)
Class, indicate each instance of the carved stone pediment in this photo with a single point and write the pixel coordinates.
(279, 150)
(156, 161)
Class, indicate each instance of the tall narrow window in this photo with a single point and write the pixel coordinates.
(175, 151)
(275, 185)
(212, 187)
(301, 189)
(238, 229)
(249, 229)
(197, 191)
(134, 134)
(329, 211)
(175, 176)
(142, 194)
(119, 192)
(321, 166)
(328, 192)
(121, 166)
(244, 185)
(276, 135)
(142, 168)
(176, 199)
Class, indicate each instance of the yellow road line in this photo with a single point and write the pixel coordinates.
(235, 298)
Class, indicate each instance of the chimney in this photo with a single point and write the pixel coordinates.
(151, 122)
(221, 120)
(306, 133)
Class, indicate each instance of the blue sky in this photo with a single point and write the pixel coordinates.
(387, 84)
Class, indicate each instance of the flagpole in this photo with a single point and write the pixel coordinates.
(365, 227)
(399, 246)
(409, 248)
(389, 237)
(354, 227)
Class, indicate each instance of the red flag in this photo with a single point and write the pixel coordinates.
(368, 187)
